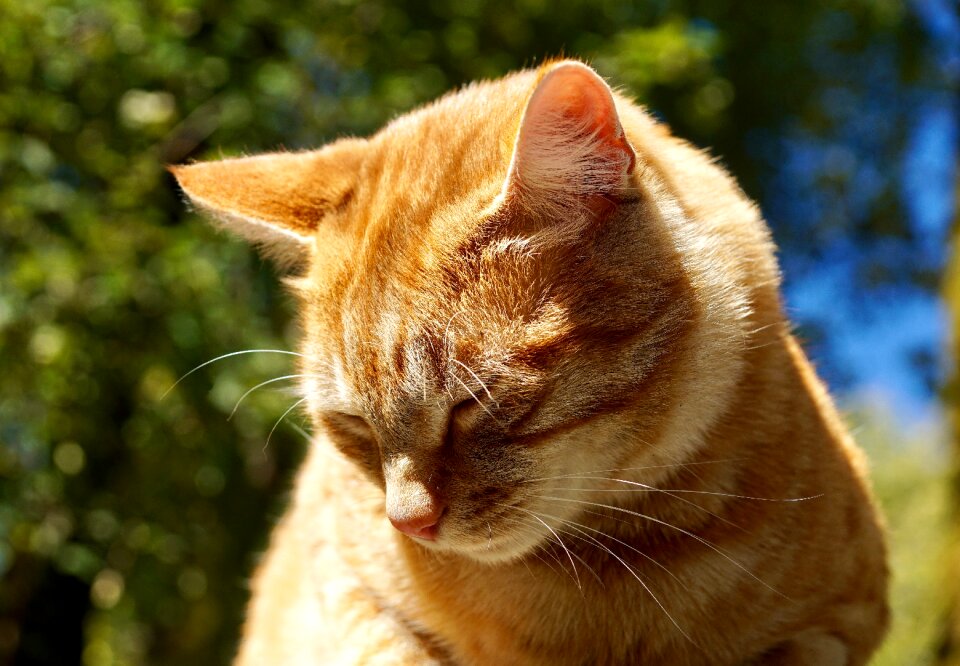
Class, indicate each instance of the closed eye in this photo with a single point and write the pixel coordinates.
(464, 413)
(354, 437)
(461, 415)
(463, 407)
(352, 423)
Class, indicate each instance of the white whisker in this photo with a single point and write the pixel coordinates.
(643, 487)
(632, 469)
(474, 375)
(473, 395)
(639, 552)
(543, 550)
(684, 500)
(547, 564)
(706, 543)
(576, 574)
(580, 559)
(261, 384)
(646, 587)
(220, 358)
(299, 429)
(282, 417)
(529, 570)
(423, 377)
(446, 329)
(530, 523)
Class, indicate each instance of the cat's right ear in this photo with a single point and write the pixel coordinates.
(275, 200)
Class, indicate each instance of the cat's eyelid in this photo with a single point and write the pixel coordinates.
(463, 405)
(474, 403)
(354, 417)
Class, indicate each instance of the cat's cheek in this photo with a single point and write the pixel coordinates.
(483, 494)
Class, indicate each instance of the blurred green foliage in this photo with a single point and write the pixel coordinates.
(910, 478)
(949, 643)
(129, 520)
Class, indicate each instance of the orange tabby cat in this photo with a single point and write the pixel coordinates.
(559, 415)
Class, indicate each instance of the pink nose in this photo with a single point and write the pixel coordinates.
(421, 524)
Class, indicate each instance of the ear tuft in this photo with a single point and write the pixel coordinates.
(570, 144)
(275, 200)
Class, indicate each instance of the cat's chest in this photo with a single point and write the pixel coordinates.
(541, 611)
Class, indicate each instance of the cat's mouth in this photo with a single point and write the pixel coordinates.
(503, 532)
(502, 543)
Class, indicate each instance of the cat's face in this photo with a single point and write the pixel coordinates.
(489, 305)
(462, 386)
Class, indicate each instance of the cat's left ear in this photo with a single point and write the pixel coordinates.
(571, 148)
(275, 200)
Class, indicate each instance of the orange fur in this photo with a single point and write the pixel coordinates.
(530, 311)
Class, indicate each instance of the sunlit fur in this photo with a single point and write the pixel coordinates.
(529, 303)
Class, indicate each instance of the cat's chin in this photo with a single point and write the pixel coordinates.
(497, 550)
(498, 554)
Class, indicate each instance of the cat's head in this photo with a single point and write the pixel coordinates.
(491, 301)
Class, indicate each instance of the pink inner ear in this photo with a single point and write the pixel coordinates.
(571, 140)
(580, 100)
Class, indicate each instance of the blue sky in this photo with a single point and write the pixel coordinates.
(873, 327)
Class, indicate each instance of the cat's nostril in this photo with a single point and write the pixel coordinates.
(422, 524)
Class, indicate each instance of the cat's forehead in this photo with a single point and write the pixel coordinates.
(429, 180)
(455, 149)
(395, 347)
(426, 182)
